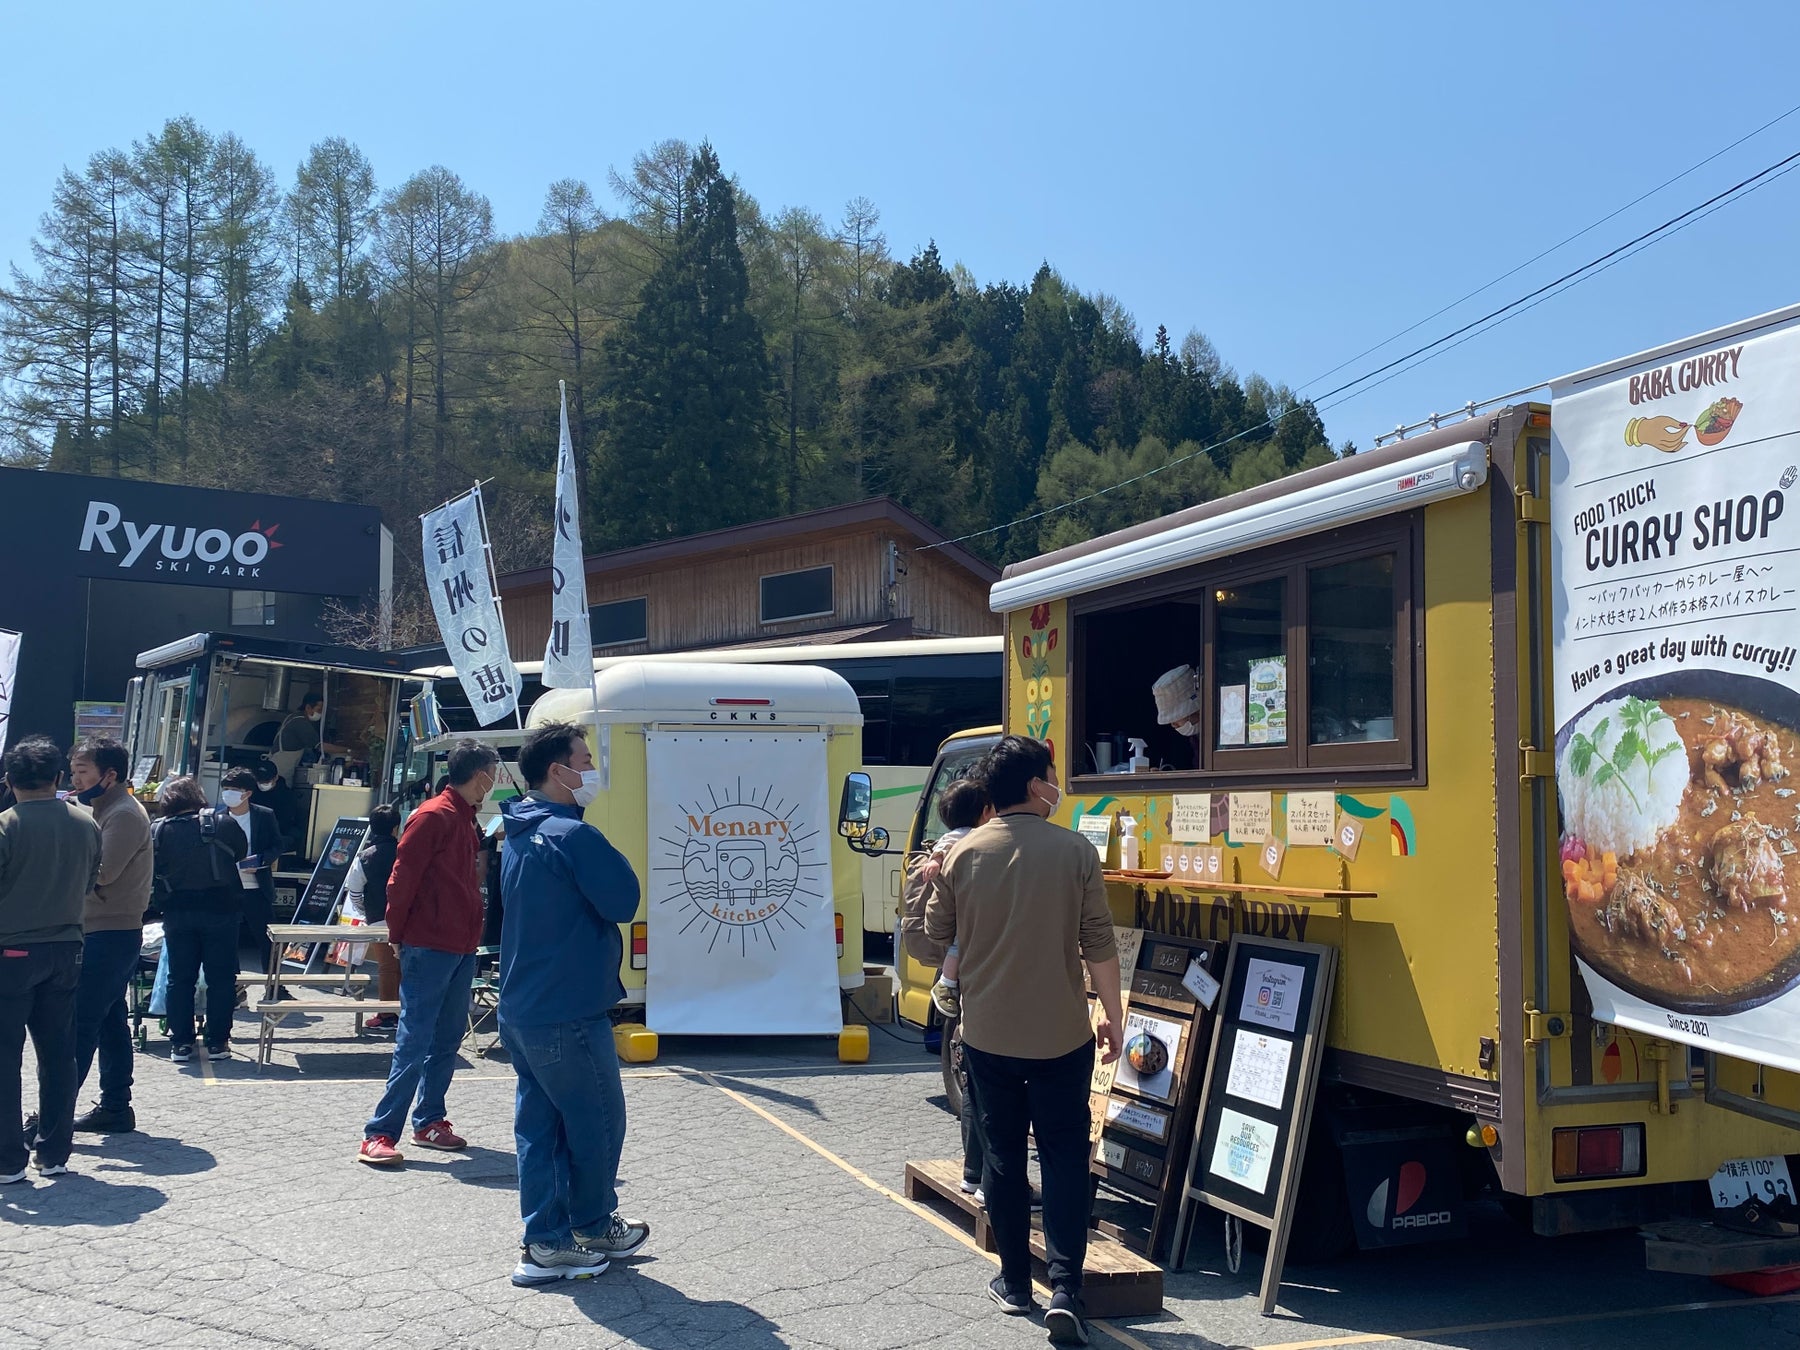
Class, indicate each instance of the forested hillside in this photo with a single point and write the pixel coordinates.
(190, 314)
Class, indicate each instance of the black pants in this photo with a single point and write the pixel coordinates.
(196, 940)
(974, 1170)
(37, 994)
(1049, 1099)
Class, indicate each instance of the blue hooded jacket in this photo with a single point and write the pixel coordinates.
(567, 890)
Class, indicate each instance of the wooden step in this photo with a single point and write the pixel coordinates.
(251, 977)
(366, 1006)
(1115, 1282)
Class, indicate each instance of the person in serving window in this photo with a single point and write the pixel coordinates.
(301, 735)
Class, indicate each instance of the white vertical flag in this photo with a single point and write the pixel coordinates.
(468, 615)
(9, 671)
(569, 655)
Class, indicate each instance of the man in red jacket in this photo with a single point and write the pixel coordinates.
(434, 919)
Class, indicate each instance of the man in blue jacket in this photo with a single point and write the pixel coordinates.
(567, 892)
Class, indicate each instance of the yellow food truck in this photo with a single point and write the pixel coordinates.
(1343, 684)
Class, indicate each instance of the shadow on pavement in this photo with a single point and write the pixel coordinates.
(654, 1316)
(77, 1200)
(140, 1155)
(478, 1166)
(753, 1088)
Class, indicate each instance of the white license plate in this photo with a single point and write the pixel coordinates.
(1741, 1179)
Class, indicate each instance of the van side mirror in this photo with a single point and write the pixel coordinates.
(856, 806)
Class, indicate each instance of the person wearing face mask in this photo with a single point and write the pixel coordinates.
(1026, 904)
(301, 735)
(113, 924)
(567, 892)
(273, 792)
(434, 922)
(256, 873)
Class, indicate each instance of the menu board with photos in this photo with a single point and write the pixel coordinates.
(1256, 1103)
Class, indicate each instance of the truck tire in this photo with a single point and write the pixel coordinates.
(1323, 1230)
(950, 1058)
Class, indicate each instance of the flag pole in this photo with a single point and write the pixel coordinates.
(487, 550)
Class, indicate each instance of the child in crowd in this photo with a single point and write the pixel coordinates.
(963, 806)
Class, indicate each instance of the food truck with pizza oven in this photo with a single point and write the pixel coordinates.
(1357, 676)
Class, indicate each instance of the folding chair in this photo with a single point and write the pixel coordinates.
(484, 1001)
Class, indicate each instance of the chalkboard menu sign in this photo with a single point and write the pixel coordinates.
(1257, 1105)
(321, 893)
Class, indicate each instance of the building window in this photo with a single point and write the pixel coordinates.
(252, 609)
(619, 622)
(797, 595)
(1306, 657)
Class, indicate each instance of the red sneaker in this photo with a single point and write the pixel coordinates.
(439, 1136)
(380, 1152)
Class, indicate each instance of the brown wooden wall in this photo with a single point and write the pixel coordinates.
(714, 600)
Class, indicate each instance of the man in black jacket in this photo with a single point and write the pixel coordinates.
(196, 852)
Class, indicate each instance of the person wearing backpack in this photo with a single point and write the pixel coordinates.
(196, 852)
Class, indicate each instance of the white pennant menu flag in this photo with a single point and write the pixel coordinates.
(9, 671)
(468, 615)
(569, 655)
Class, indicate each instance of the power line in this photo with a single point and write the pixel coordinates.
(1539, 257)
(1437, 347)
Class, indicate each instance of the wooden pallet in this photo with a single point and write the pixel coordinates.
(1115, 1282)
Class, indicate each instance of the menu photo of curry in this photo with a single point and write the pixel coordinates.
(1680, 849)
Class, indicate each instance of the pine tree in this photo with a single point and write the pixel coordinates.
(690, 442)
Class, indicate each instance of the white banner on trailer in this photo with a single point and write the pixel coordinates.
(1675, 543)
(742, 934)
(9, 672)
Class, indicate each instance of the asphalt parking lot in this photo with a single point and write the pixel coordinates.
(237, 1217)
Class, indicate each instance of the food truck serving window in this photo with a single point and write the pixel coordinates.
(1303, 663)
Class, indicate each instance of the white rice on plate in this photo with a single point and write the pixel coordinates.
(1603, 815)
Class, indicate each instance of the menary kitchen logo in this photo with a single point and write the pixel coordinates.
(747, 866)
(199, 549)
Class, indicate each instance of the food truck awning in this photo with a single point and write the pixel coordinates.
(1429, 468)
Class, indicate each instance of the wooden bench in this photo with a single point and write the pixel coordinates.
(1115, 1281)
(272, 1013)
(346, 982)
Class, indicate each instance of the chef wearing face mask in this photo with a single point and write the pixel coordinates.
(300, 735)
(256, 873)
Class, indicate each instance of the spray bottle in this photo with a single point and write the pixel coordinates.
(1128, 842)
(1140, 762)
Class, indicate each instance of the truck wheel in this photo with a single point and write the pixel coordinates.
(950, 1056)
(1323, 1230)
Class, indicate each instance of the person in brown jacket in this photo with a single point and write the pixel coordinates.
(113, 924)
(434, 917)
(1025, 902)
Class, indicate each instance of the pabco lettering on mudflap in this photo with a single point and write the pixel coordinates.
(178, 548)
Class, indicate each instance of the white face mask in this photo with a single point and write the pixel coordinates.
(234, 797)
(265, 787)
(1054, 800)
(588, 790)
(315, 715)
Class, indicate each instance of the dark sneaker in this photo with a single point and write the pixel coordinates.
(440, 1136)
(1063, 1320)
(45, 1169)
(540, 1263)
(621, 1239)
(1012, 1304)
(11, 1177)
(181, 1054)
(220, 1051)
(380, 1152)
(31, 1130)
(381, 1022)
(103, 1120)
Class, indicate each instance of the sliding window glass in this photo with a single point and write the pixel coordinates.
(1350, 651)
(1250, 674)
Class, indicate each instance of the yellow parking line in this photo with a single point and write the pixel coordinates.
(935, 1220)
(1525, 1323)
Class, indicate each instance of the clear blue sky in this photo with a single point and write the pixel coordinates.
(1296, 181)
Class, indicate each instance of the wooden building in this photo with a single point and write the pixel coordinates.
(844, 573)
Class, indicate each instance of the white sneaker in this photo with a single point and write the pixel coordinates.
(54, 1170)
(622, 1238)
(540, 1263)
(16, 1176)
(969, 1187)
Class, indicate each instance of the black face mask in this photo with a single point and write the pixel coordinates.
(88, 796)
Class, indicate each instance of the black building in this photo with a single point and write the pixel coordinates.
(95, 570)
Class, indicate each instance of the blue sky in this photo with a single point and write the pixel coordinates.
(1297, 181)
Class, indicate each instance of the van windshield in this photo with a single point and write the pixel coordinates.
(956, 763)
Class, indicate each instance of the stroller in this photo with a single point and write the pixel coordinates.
(149, 989)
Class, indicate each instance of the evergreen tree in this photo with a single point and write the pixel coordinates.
(690, 445)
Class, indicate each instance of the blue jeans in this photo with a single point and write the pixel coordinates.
(195, 940)
(102, 1020)
(434, 1017)
(569, 1126)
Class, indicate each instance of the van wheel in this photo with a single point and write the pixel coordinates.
(950, 1057)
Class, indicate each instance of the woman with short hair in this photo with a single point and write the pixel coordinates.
(197, 851)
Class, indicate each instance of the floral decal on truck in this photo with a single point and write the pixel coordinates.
(1043, 668)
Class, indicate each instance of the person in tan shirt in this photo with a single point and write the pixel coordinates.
(1025, 902)
(113, 925)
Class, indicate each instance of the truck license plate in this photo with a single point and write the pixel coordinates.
(1762, 1179)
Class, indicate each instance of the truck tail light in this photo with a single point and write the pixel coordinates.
(1595, 1152)
(640, 945)
(840, 933)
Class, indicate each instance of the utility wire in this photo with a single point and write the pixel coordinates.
(1539, 257)
(1435, 348)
